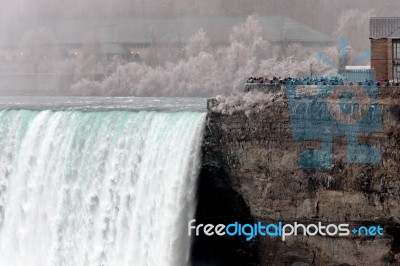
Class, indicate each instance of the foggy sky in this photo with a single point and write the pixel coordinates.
(320, 14)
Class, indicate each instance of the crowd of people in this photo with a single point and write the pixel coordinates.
(334, 80)
(296, 81)
(388, 83)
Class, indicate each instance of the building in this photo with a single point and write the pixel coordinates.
(385, 47)
(359, 73)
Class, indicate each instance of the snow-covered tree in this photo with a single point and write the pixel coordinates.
(197, 43)
(87, 87)
(260, 49)
(206, 72)
(248, 32)
(297, 50)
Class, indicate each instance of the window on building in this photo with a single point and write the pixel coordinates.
(396, 72)
(396, 59)
(396, 49)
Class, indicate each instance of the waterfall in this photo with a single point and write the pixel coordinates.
(97, 188)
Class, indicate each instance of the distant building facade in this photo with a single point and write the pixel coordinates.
(385, 47)
(117, 36)
(359, 73)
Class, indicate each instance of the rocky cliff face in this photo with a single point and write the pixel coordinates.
(254, 157)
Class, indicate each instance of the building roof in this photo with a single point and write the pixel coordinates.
(395, 34)
(144, 31)
(355, 68)
(381, 28)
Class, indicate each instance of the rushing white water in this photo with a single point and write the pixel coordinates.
(97, 188)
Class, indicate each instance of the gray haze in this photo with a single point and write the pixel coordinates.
(320, 14)
(42, 50)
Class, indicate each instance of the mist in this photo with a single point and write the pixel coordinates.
(118, 48)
